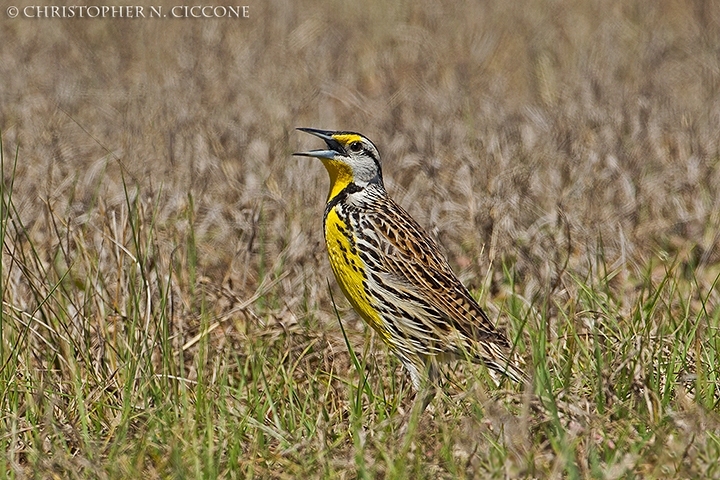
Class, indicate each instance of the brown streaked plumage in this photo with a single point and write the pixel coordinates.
(394, 274)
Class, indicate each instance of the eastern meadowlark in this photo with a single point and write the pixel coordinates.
(394, 274)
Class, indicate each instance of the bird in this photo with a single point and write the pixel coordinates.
(394, 274)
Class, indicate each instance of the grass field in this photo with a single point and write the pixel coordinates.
(167, 307)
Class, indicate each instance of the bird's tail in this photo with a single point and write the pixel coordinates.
(509, 364)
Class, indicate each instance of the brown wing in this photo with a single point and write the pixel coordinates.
(428, 297)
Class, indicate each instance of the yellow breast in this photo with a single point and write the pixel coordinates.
(349, 270)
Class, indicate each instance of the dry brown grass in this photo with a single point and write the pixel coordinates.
(574, 143)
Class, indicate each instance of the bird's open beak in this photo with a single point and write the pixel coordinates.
(334, 147)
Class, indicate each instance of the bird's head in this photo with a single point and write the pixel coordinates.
(350, 158)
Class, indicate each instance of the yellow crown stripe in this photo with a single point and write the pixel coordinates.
(347, 138)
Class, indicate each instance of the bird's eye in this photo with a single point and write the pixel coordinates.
(355, 146)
